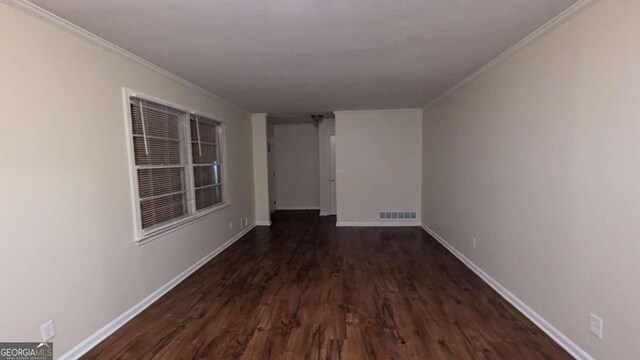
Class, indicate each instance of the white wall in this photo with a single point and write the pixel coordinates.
(378, 163)
(297, 168)
(539, 158)
(326, 129)
(67, 229)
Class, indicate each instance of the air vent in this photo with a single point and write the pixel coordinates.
(397, 215)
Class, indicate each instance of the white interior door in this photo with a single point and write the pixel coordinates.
(332, 166)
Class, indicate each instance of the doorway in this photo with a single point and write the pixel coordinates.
(332, 169)
(271, 168)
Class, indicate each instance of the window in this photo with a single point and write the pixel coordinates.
(207, 167)
(177, 157)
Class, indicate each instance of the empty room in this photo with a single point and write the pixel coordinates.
(366, 179)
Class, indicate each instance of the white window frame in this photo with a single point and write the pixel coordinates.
(140, 235)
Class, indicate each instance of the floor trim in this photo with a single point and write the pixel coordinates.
(297, 208)
(555, 334)
(378, 223)
(93, 340)
(263, 223)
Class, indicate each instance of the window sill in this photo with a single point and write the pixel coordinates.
(169, 228)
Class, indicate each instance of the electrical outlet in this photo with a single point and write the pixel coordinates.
(48, 330)
(473, 242)
(595, 326)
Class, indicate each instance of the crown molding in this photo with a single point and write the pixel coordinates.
(550, 25)
(347, 112)
(51, 18)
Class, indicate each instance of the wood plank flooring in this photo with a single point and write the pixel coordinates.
(304, 289)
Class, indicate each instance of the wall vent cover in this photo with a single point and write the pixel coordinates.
(397, 215)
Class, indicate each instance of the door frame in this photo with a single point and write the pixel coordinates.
(333, 186)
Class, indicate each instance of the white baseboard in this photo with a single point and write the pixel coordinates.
(538, 320)
(324, 213)
(378, 223)
(297, 208)
(263, 223)
(93, 340)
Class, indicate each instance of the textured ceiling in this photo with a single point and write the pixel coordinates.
(284, 56)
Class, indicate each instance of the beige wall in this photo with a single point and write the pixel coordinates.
(326, 128)
(260, 129)
(378, 163)
(539, 159)
(297, 170)
(67, 230)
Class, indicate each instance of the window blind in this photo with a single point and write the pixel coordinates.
(178, 164)
(207, 165)
(161, 162)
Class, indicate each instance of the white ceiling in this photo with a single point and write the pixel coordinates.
(283, 56)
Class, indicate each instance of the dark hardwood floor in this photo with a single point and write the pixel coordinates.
(304, 289)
